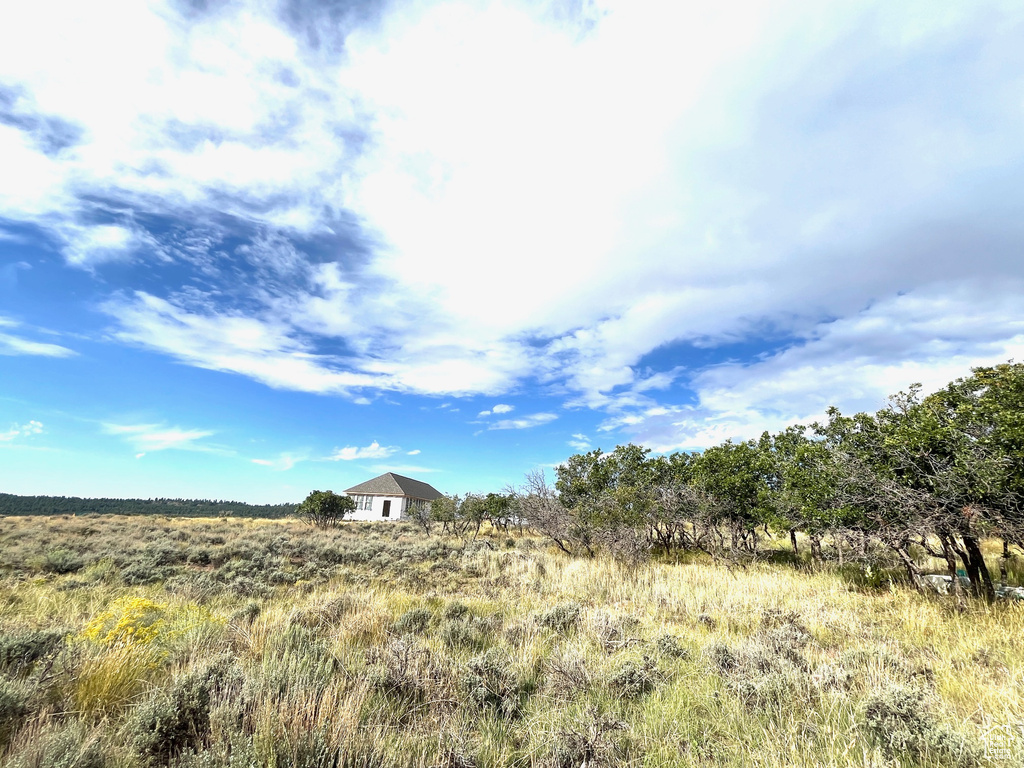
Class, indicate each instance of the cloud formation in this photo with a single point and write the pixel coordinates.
(33, 427)
(12, 344)
(160, 437)
(372, 451)
(697, 221)
(525, 422)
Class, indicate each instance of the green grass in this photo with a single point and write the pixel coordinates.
(269, 643)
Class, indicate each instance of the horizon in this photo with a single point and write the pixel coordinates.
(252, 249)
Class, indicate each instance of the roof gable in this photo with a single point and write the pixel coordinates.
(397, 485)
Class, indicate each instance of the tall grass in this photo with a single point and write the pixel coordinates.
(267, 643)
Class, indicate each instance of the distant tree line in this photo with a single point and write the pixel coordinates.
(940, 473)
(12, 505)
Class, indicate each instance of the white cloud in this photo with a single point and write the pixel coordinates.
(525, 422)
(11, 344)
(415, 452)
(372, 451)
(497, 409)
(89, 246)
(282, 463)
(580, 442)
(159, 437)
(931, 337)
(768, 170)
(33, 427)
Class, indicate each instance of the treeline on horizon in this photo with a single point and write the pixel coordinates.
(932, 475)
(21, 506)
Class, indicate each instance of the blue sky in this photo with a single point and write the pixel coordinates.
(248, 249)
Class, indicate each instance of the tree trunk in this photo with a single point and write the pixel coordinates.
(955, 588)
(1003, 560)
(816, 548)
(913, 572)
(792, 538)
(977, 565)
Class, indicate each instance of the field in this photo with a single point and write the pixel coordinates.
(130, 641)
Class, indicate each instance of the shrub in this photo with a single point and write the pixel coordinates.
(568, 675)
(247, 614)
(454, 610)
(488, 681)
(588, 742)
(413, 621)
(633, 679)
(899, 718)
(61, 560)
(13, 708)
(168, 723)
(128, 621)
(401, 670)
(561, 618)
(669, 646)
(19, 650)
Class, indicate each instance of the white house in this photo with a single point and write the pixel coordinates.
(389, 497)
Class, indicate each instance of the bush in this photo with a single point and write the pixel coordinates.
(669, 646)
(899, 718)
(561, 618)
(13, 708)
(414, 621)
(402, 670)
(179, 719)
(633, 679)
(19, 650)
(489, 682)
(588, 742)
(61, 560)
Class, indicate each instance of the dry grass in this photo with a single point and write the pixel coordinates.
(279, 645)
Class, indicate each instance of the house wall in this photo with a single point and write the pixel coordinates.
(376, 511)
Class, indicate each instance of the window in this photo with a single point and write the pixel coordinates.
(363, 503)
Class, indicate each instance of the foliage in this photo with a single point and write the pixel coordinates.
(325, 509)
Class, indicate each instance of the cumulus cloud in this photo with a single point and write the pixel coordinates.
(160, 437)
(33, 427)
(533, 420)
(372, 451)
(414, 452)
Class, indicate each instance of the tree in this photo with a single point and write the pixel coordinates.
(325, 509)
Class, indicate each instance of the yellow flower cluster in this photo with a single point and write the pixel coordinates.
(129, 621)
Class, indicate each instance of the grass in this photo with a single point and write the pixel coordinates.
(145, 641)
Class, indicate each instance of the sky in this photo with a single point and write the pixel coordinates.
(252, 248)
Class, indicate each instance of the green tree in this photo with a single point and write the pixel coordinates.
(325, 509)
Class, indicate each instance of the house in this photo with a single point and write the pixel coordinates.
(390, 497)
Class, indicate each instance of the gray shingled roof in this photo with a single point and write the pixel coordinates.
(397, 485)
